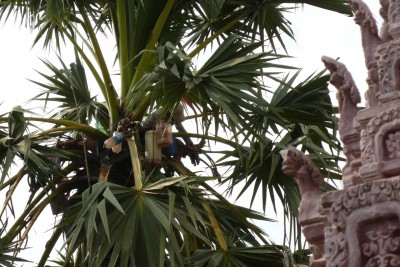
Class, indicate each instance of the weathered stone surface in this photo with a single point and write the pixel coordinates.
(309, 179)
(360, 225)
(348, 97)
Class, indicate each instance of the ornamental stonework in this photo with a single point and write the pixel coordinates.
(360, 225)
(387, 61)
(381, 246)
(365, 210)
(367, 136)
(392, 148)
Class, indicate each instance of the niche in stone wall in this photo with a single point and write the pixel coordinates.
(387, 143)
(392, 145)
(379, 240)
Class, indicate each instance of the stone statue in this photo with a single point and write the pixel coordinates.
(348, 97)
(370, 42)
(359, 225)
(369, 30)
(384, 12)
(307, 177)
(309, 180)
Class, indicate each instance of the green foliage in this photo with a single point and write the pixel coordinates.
(7, 257)
(8, 250)
(254, 256)
(68, 88)
(237, 104)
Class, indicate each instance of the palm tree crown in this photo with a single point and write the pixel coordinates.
(124, 198)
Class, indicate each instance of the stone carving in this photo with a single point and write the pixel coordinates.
(368, 150)
(384, 12)
(369, 29)
(392, 142)
(309, 179)
(362, 210)
(382, 246)
(335, 247)
(370, 42)
(359, 225)
(348, 97)
(362, 196)
(394, 18)
(388, 67)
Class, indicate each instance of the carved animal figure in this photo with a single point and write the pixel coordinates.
(348, 95)
(308, 178)
(384, 12)
(370, 42)
(369, 30)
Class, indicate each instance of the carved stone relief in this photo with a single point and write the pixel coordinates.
(387, 58)
(359, 225)
(394, 18)
(392, 142)
(384, 12)
(367, 143)
(356, 216)
(380, 242)
(367, 148)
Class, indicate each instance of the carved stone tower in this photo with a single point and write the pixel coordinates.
(360, 225)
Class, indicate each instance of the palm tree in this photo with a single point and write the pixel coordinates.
(117, 207)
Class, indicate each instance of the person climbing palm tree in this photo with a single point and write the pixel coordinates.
(119, 215)
(174, 117)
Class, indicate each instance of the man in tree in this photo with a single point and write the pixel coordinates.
(177, 149)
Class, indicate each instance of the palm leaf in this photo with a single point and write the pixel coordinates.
(242, 256)
(68, 89)
(182, 220)
(148, 217)
(7, 254)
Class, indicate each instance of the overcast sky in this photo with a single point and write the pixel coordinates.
(321, 33)
(317, 33)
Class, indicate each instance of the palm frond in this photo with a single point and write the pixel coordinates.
(239, 256)
(171, 215)
(7, 252)
(67, 89)
(175, 220)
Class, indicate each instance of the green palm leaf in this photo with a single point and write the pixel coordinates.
(179, 220)
(149, 218)
(7, 252)
(254, 256)
(68, 89)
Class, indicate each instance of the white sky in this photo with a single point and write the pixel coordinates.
(321, 33)
(317, 33)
